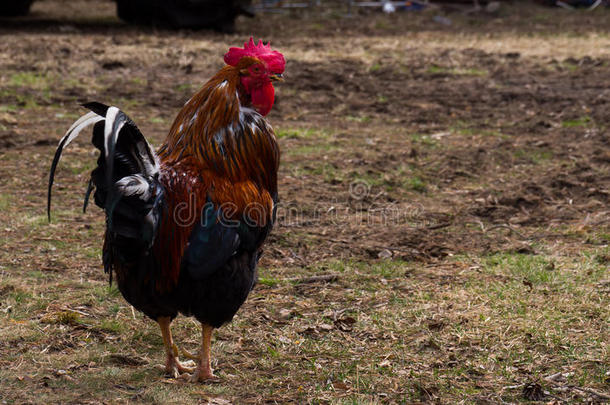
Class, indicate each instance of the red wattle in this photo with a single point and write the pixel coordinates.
(262, 98)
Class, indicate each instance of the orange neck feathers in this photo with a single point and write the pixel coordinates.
(218, 130)
(212, 108)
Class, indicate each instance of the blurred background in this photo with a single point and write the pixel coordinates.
(221, 15)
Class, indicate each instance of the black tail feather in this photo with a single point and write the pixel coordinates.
(52, 175)
(98, 108)
(73, 131)
(90, 188)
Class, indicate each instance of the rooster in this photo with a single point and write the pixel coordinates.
(185, 225)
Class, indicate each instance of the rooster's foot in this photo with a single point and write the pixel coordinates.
(175, 369)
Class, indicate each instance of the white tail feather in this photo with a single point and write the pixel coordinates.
(110, 136)
(81, 119)
(80, 124)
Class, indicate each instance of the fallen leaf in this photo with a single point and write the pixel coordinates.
(384, 254)
(339, 385)
(285, 314)
(345, 324)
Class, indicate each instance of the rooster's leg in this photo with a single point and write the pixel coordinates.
(204, 371)
(172, 366)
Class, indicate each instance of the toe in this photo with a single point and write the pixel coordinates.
(172, 372)
(183, 368)
(204, 376)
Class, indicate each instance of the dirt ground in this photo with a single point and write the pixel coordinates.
(453, 181)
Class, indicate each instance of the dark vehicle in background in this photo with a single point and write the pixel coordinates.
(14, 8)
(219, 15)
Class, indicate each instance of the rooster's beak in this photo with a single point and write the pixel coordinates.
(277, 77)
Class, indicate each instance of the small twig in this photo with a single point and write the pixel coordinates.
(439, 226)
(379, 194)
(506, 226)
(338, 313)
(314, 279)
(77, 311)
(295, 255)
(590, 391)
(553, 377)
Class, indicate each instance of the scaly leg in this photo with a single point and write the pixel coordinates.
(204, 371)
(172, 366)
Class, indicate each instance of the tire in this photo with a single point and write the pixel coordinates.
(212, 14)
(14, 8)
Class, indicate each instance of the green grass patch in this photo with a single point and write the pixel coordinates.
(424, 140)
(185, 87)
(577, 122)
(30, 79)
(402, 177)
(439, 70)
(534, 156)
(157, 120)
(296, 133)
(5, 201)
(111, 326)
(375, 67)
(8, 107)
(415, 184)
(533, 268)
(359, 118)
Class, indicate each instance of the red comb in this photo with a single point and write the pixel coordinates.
(274, 60)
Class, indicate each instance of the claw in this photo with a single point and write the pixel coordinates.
(185, 353)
